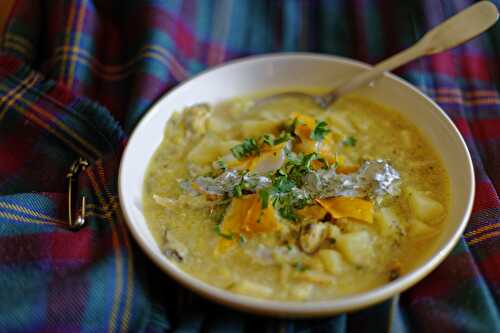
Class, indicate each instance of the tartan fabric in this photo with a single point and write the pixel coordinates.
(75, 77)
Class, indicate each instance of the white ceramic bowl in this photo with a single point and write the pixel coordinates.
(261, 73)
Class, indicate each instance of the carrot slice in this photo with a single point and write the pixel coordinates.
(236, 214)
(305, 126)
(348, 207)
(231, 225)
(251, 216)
(259, 220)
(241, 164)
(303, 130)
(314, 212)
(345, 169)
(317, 165)
(245, 216)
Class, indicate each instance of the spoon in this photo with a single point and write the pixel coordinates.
(458, 29)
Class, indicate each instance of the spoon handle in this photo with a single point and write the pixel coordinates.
(458, 29)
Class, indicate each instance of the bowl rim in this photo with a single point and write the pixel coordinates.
(288, 308)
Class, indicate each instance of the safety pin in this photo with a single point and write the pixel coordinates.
(72, 176)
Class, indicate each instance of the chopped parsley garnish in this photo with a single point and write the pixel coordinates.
(242, 240)
(220, 233)
(288, 212)
(286, 197)
(268, 139)
(264, 198)
(293, 158)
(350, 141)
(282, 184)
(281, 188)
(284, 137)
(221, 164)
(298, 165)
(320, 131)
(291, 128)
(237, 191)
(247, 148)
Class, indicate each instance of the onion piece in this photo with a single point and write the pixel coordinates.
(271, 160)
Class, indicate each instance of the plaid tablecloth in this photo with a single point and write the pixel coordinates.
(77, 75)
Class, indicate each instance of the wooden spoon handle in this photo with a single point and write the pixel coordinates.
(458, 29)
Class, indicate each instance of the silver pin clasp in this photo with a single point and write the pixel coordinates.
(72, 176)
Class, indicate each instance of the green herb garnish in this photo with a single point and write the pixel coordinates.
(298, 165)
(220, 233)
(237, 191)
(284, 137)
(284, 193)
(242, 240)
(264, 198)
(286, 197)
(282, 184)
(221, 164)
(268, 139)
(320, 131)
(350, 141)
(291, 128)
(247, 148)
(288, 212)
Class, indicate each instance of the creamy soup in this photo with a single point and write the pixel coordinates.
(287, 201)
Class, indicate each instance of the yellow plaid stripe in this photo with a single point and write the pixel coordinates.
(118, 72)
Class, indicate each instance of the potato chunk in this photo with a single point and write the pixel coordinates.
(357, 247)
(209, 149)
(424, 207)
(386, 221)
(301, 291)
(419, 230)
(250, 288)
(311, 236)
(314, 277)
(218, 125)
(332, 261)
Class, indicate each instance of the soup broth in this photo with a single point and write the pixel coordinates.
(291, 202)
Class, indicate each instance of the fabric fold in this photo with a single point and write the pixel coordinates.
(86, 278)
